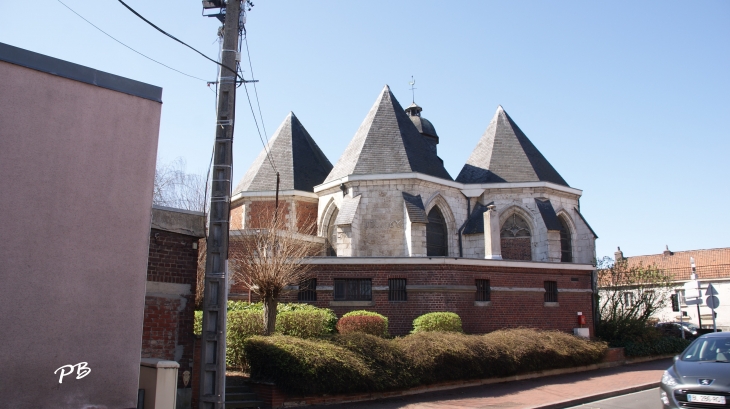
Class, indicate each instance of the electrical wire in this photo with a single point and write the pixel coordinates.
(250, 66)
(110, 36)
(178, 40)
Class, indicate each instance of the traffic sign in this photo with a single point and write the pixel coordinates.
(692, 294)
(713, 302)
(711, 290)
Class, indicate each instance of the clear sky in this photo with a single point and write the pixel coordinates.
(629, 101)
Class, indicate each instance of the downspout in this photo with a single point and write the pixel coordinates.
(468, 216)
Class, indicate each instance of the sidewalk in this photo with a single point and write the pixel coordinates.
(550, 392)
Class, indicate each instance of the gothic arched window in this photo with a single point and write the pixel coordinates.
(437, 243)
(332, 234)
(515, 238)
(566, 247)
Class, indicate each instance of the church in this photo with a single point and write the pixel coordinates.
(504, 244)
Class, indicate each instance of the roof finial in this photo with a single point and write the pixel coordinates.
(413, 89)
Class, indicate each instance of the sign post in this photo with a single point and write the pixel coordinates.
(712, 302)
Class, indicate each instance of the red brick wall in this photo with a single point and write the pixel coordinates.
(517, 249)
(258, 211)
(306, 217)
(507, 310)
(236, 218)
(168, 319)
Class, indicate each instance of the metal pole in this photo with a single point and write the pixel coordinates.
(699, 290)
(215, 298)
(681, 318)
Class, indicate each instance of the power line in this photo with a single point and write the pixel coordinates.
(248, 54)
(178, 40)
(110, 36)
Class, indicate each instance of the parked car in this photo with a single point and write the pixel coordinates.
(674, 329)
(700, 376)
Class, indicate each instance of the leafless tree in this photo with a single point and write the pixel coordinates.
(270, 256)
(629, 295)
(174, 187)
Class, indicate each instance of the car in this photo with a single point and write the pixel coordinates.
(700, 376)
(674, 329)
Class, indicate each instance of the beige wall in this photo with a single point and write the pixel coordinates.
(76, 172)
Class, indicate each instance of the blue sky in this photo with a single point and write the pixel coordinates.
(629, 101)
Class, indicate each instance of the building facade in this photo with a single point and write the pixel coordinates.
(391, 219)
(712, 266)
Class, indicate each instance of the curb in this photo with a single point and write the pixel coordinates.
(592, 398)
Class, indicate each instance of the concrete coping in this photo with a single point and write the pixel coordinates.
(158, 363)
(178, 221)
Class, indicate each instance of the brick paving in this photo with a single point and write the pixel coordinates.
(548, 392)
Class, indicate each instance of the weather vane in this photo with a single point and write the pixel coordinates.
(413, 89)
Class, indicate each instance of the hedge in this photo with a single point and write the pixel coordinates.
(309, 322)
(358, 362)
(437, 321)
(366, 314)
(366, 324)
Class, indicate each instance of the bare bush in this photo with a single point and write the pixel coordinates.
(174, 187)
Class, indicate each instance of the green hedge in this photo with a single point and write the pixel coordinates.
(359, 362)
(308, 322)
(662, 346)
(437, 321)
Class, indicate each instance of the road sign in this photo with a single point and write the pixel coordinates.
(711, 290)
(713, 302)
(692, 294)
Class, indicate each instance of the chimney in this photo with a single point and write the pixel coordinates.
(667, 252)
(618, 255)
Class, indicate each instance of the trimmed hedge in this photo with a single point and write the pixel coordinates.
(664, 345)
(437, 321)
(363, 323)
(358, 362)
(242, 324)
(367, 313)
(309, 322)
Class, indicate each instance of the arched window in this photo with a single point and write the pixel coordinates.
(566, 246)
(332, 234)
(437, 241)
(515, 238)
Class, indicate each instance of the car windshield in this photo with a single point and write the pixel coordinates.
(708, 349)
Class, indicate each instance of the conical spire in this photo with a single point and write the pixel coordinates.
(388, 142)
(300, 162)
(504, 154)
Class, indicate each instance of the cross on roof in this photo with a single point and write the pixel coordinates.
(413, 89)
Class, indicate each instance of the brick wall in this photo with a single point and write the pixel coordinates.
(516, 249)
(508, 309)
(168, 320)
(258, 212)
(236, 218)
(307, 217)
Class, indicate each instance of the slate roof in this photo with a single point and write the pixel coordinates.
(711, 263)
(348, 210)
(300, 162)
(504, 154)
(548, 214)
(414, 207)
(388, 142)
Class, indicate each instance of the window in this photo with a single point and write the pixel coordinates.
(332, 234)
(628, 299)
(551, 291)
(307, 290)
(484, 290)
(516, 242)
(566, 247)
(353, 289)
(437, 242)
(397, 289)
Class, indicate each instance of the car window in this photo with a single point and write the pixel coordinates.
(708, 349)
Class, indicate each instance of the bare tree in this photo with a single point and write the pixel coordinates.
(270, 256)
(629, 295)
(174, 187)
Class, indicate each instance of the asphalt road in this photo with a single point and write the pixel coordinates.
(648, 399)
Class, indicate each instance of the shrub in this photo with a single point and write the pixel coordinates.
(242, 324)
(437, 321)
(363, 323)
(391, 368)
(358, 362)
(198, 323)
(302, 366)
(366, 314)
(308, 322)
(664, 345)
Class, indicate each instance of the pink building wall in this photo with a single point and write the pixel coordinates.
(77, 162)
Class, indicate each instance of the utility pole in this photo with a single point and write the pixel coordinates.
(215, 298)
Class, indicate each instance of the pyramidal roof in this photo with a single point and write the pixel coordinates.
(300, 162)
(504, 154)
(388, 142)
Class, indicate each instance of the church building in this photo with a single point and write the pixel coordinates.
(502, 245)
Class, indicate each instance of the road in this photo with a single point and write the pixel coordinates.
(648, 399)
